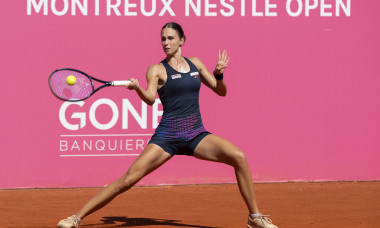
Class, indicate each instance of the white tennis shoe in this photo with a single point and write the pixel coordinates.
(70, 222)
(262, 221)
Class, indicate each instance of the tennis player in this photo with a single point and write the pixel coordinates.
(177, 80)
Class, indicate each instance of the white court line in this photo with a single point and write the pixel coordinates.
(108, 135)
(96, 155)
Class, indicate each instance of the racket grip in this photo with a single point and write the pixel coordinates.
(120, 83)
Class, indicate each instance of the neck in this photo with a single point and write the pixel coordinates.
(176, 58)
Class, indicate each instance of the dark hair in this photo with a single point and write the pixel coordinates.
(176, 27)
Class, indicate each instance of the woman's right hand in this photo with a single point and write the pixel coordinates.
(134, 85)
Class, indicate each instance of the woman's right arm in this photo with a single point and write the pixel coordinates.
(148, 95)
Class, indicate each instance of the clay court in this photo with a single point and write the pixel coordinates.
(294, 84)
(291, 205)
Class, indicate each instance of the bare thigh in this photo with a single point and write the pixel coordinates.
(218, 149)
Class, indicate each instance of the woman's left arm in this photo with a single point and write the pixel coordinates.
(218, 86)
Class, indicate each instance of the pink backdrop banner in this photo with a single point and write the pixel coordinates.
(302, 103)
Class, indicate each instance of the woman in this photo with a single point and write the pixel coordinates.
(177, 81)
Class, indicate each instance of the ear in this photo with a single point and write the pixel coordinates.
(182, 41)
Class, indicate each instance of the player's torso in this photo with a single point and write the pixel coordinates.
(179, 85)
(179, 96)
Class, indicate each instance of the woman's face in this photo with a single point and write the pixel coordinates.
(170, 41)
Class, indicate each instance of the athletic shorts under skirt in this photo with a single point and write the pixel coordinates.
(180, 147)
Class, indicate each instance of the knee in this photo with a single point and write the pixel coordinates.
(126, 182)
(239, 160)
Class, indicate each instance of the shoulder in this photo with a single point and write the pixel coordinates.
(197, 62)
(155, 69)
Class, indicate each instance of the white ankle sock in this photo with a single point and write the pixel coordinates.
(254, 215)
(77, 218)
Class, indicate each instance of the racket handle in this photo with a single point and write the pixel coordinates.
(120, 83)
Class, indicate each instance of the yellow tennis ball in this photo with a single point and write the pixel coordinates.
(70, 80)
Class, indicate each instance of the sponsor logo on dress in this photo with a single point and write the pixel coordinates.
(194, 74)
(175, 76)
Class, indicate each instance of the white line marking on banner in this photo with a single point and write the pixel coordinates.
(96, 155)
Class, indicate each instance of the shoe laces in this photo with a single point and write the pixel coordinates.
(74, 219)
(266, 219)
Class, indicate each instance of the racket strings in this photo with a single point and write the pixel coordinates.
(81, 89)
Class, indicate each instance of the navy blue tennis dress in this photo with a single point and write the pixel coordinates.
(181, 128)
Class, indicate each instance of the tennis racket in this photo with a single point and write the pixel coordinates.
(73, 85)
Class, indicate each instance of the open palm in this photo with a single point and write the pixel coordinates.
(222, 62)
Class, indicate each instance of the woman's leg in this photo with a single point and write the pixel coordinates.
(150, 159)
(215, 148)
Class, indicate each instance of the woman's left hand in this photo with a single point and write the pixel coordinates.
(222, 62)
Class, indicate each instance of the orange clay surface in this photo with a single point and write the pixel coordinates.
(291, 205)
